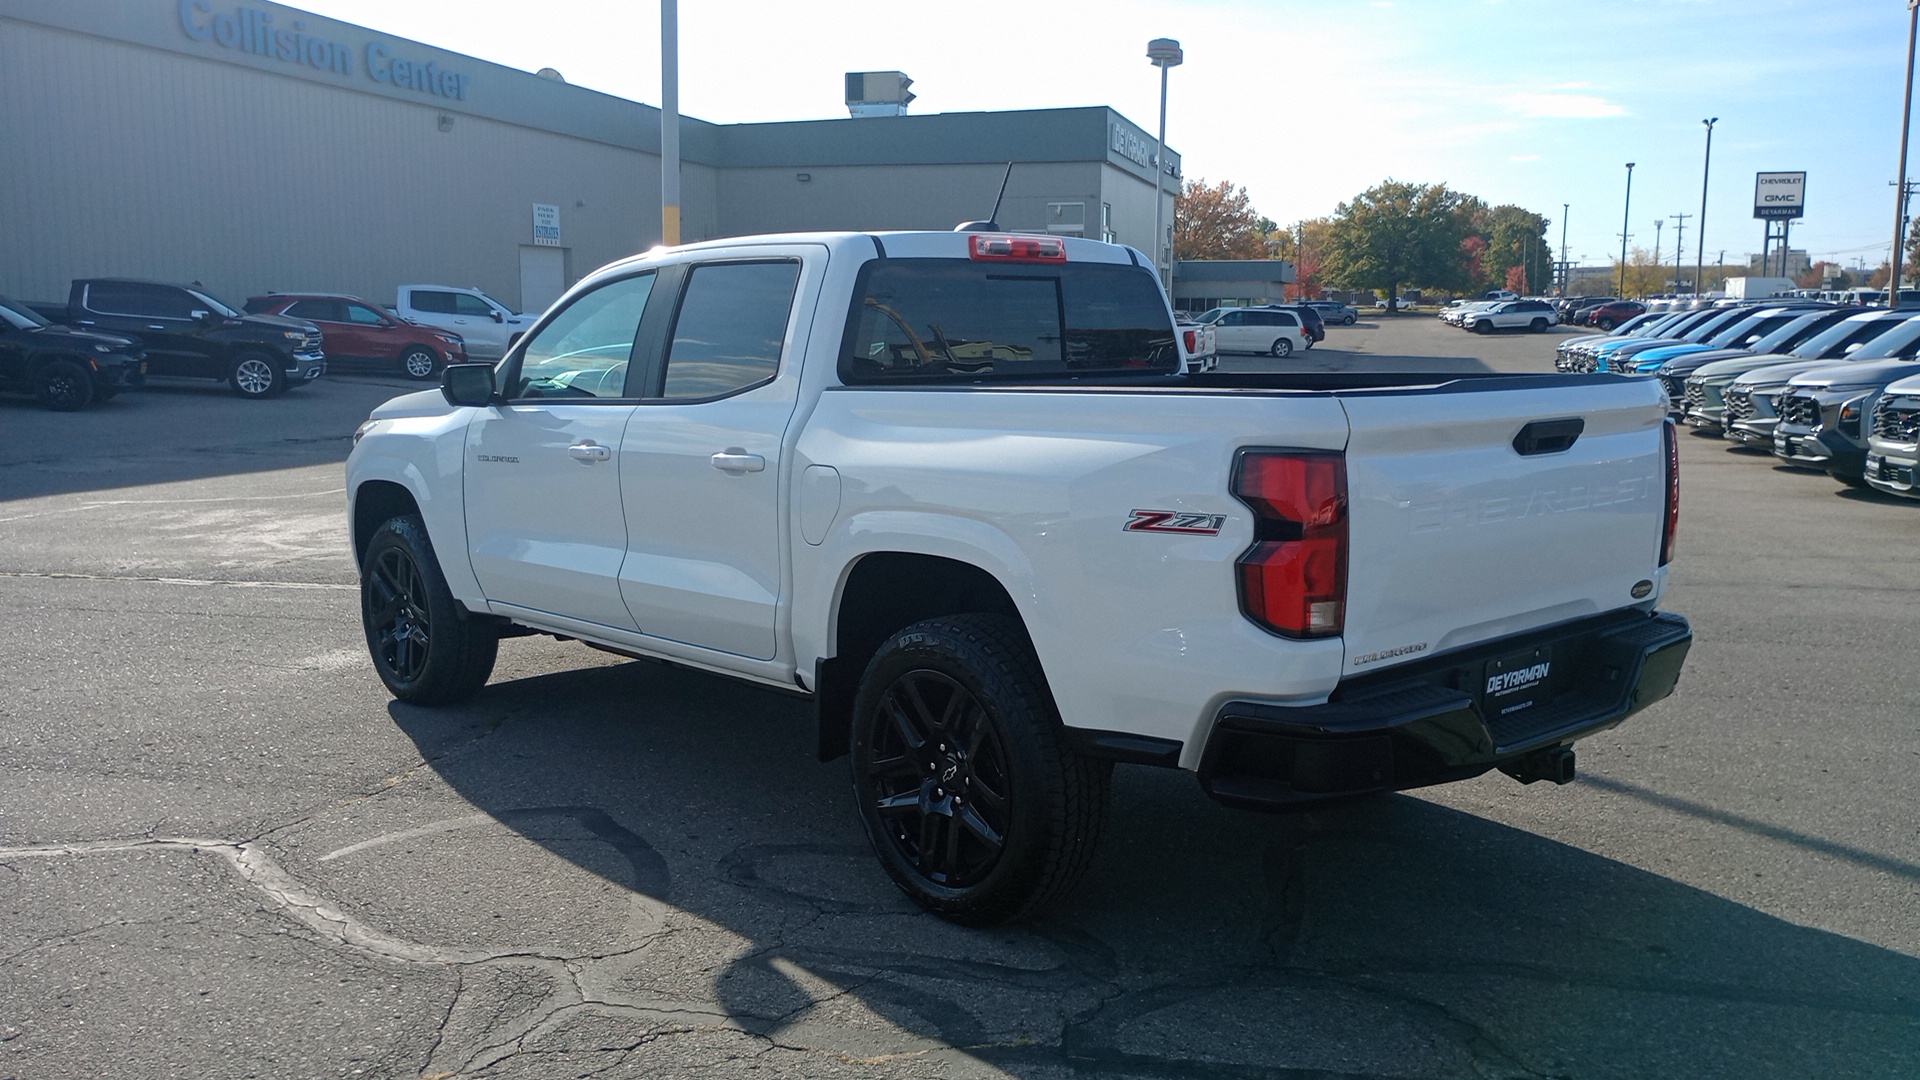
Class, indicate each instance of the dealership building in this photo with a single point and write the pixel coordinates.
(256, 147)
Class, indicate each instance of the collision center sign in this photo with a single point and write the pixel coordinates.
(1780, 195)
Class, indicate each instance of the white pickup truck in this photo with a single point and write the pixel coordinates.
(957, 489)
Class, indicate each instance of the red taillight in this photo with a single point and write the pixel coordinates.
(1193, 344)
(1003, 247)
(1293, 580)
(1671, 527)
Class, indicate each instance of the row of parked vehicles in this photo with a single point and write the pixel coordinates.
(112, 333)
(1820, 386)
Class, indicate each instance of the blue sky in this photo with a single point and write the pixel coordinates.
(1307, 102)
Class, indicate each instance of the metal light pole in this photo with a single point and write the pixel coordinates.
(1657, 261)
(670, 122)
(1564, 209)
(1623, 231)
(1900, 197)
(1700, 251)
(1164, 53)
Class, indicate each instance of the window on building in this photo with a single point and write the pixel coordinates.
(1106, 222)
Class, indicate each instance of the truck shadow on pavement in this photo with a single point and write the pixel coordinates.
(1381, 937)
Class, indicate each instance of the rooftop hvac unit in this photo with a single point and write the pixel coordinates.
(878, 93)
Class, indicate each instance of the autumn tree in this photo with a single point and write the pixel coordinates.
(1398, 233)
(1645, 276)
(1305, 243)
(1217, 221)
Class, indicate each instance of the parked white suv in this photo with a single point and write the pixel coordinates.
(487, 326)
(1534, 315)
(1260, 330)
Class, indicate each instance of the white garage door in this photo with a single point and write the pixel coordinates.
(543, 277)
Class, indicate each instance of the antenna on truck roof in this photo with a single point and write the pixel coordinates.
(989, 225)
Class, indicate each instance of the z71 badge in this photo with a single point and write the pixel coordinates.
(1168, 521)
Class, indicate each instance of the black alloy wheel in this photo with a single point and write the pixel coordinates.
(64, 386)
(937, 779)
(419, 362)
(399, 625)
(973, 801)
(425, 647)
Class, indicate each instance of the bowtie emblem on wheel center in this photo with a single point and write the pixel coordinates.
(952, 771)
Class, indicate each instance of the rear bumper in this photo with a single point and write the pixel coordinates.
(1425, 724)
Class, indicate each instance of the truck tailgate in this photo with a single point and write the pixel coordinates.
(1470, 522)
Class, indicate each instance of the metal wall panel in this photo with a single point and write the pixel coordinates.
(153, 164)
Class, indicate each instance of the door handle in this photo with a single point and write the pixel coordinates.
(588, 452)
(155, 326)
(734, 459)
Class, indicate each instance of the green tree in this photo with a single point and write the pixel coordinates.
(1516, 239)
(1399, 234)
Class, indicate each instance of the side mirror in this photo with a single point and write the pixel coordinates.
(497, 317)
(467, 384)
(201, 315)
(1852, 347)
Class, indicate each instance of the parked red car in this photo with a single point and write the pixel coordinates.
(1607, 316)
(360, 332)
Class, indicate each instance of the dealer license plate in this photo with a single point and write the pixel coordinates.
(1517, 682)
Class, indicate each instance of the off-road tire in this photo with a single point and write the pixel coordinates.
(424, 645)
(63, 386)
(974, 677)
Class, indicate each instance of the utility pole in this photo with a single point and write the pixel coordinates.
(1679, 246)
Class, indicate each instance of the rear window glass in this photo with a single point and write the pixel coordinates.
(916, 320)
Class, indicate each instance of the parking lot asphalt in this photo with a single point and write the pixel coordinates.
(226, 852)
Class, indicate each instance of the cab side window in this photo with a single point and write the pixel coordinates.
(362, 315)
(585, 351)
(439, 303)
(731, 328)
(466, 304)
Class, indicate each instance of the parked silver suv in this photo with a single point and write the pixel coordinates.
(1334, 311)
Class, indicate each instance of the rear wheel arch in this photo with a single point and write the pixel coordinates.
(885, 592)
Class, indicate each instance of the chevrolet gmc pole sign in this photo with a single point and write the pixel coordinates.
(1780, 195)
